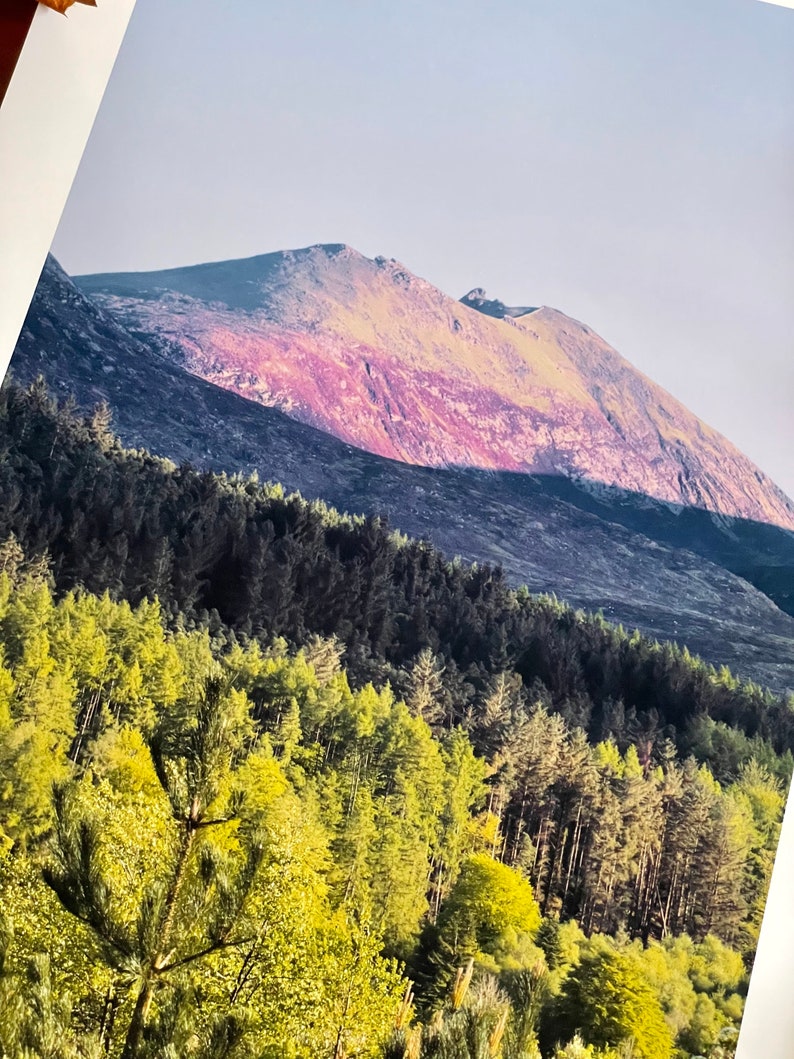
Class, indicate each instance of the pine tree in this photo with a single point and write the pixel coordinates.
(425, 698)
(192, 906)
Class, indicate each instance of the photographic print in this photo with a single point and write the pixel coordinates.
(396, 543)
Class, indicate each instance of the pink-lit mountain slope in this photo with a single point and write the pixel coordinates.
(384, 360)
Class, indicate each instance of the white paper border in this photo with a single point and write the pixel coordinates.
(45, 121)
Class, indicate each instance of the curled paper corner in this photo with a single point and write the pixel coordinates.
(63, 5)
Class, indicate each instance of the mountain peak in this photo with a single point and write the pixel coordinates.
(380, 358)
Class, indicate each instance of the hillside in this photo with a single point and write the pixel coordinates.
(383, 360)
(223, 829)
(275, 773)
(670, 572)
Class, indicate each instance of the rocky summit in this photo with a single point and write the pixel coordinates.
(383, 360)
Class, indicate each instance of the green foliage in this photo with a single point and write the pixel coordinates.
(250, 559)
(488, 904)
(214, 842)
(697, 985)
(607, 1001)
(472, 1025)
(194, 904)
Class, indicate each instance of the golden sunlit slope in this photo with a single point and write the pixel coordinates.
(384, 360)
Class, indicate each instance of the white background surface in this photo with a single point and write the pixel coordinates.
(768, 1025)
(45, 121)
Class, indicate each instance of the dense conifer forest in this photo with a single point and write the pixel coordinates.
(279, 782)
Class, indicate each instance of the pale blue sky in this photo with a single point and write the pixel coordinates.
(627, 161)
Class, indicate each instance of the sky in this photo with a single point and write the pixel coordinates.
(629, 162)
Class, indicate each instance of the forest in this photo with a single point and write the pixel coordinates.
(277, 781)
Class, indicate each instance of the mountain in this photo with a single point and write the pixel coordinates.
(675, 573)
(385, 361)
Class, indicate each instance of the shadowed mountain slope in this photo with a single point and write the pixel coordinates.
(664, 569)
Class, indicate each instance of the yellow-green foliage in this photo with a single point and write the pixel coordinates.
(200, 845)
(186, 863)
(67, 670)
(491, 911)
(607, 1001)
